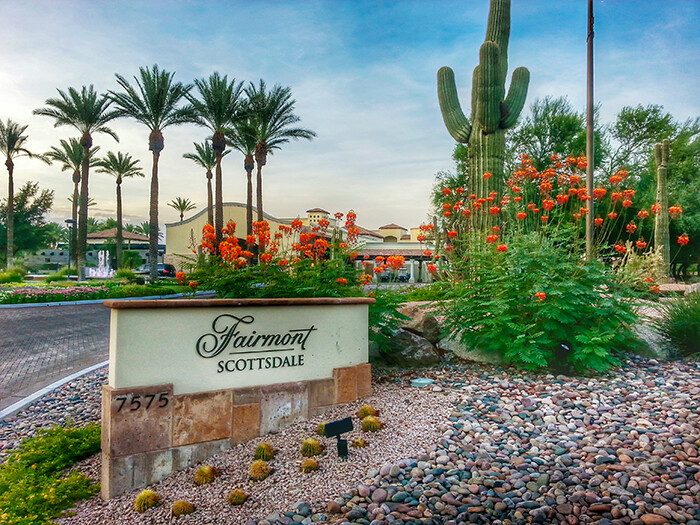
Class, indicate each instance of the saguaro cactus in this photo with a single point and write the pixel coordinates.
(662, 239)
(492, 111)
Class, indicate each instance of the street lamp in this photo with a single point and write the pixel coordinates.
(71, 224)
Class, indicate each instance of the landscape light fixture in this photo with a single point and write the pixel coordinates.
(336, 429)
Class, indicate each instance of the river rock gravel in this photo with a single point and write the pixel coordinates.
(483, 444)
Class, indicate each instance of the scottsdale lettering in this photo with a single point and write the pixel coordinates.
(226, 332)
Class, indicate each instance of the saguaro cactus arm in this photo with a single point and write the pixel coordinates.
(515, 101)
(457, 124)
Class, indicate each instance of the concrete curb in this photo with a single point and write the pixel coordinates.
(22, 403)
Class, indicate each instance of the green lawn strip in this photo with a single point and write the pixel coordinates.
(34, 486)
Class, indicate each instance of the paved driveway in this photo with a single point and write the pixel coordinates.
(40, 345)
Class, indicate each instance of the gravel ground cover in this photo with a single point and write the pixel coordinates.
(488, 445)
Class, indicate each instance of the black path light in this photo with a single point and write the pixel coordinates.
(336, 429)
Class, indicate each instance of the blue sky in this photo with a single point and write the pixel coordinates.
(363, 74)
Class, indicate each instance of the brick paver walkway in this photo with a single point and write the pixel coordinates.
(41, 345)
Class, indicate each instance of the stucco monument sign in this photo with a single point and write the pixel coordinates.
(191, 378)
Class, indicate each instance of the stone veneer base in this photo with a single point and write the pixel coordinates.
(189, 428)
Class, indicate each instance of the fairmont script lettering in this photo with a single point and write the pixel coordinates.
(234, 333)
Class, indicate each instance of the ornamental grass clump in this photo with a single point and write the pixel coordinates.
(146, 499)
(311, 447)
(371, 424)
(205, 474)
(237, 497)
(680, 323)
(259, 470)
(181, 508)
(309, 465)
(264, 451)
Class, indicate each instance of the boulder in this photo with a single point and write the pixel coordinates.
(409, 349)
(453, 345)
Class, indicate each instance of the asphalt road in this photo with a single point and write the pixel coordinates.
(43, 344)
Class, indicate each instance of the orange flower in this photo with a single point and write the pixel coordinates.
(282, 263)
(487, 176)
(631, 227)
(521, 215)
(675, 211)
(421, 238)
(683, 239)
(562, 199)
(541, 296)
(518, 198)
(643, 214)
(502, 248)
(467, 212)
(459, 191)
(548, 204)
(343, 246)
(655, 289)
(599, 193)
(432, 268)
(342, 280)
(447, 206)
(452, 234)
(496, 229)
(615, 196)
(598, 221)
(448, 214)
(194, 284)
(449, 248)
(612, 215)
(396, 261)
(545, 187)
(574, 179)
(648, 280)
(181, 277)
(250, 240)
(582, 164)
(379, 259)
(427, 253)
(446, 191)
(296, 225)
(544, 218)
(365, 278)
(584, 211)
(640, 244)
(491, 238)
(626, 203)
(265, 258)
(620, 248)
(378, 269)
(655, 208)
(324, 223)
(494, 210)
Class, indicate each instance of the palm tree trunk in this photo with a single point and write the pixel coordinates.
(86, 143)
(72, 244)
(10, 212)
(259, 192)
(120, 234)
(153, 221)
(219, 218)
(249, 203)
(210, 200)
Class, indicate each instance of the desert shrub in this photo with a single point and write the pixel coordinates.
(53, 277)
(33, 485)
(12, 275)
(385, 318)
(125, 273)
(538, 304)
(640, 271)
(680, 323)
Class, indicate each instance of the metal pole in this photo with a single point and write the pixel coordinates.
(589, 136)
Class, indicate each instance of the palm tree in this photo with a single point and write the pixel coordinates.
(182, 205)
(122, 166)
(206, 158)
(242, 138)
(88, 113)
(217, 109)
(70, 155)
(154, 103)
(12, 142)
(272, 115)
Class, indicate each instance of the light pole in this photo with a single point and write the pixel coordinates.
(71, 225)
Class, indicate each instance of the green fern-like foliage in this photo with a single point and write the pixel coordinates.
(371, 424)
(182, 507)
(146, 499)
(311, 447)
(237, 497)
(496, 308)
(309, 465)
(205, 474)
(264, 451)
(259, 470)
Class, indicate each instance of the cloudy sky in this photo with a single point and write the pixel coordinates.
(363, 74)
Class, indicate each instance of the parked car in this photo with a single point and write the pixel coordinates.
(164, 270)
